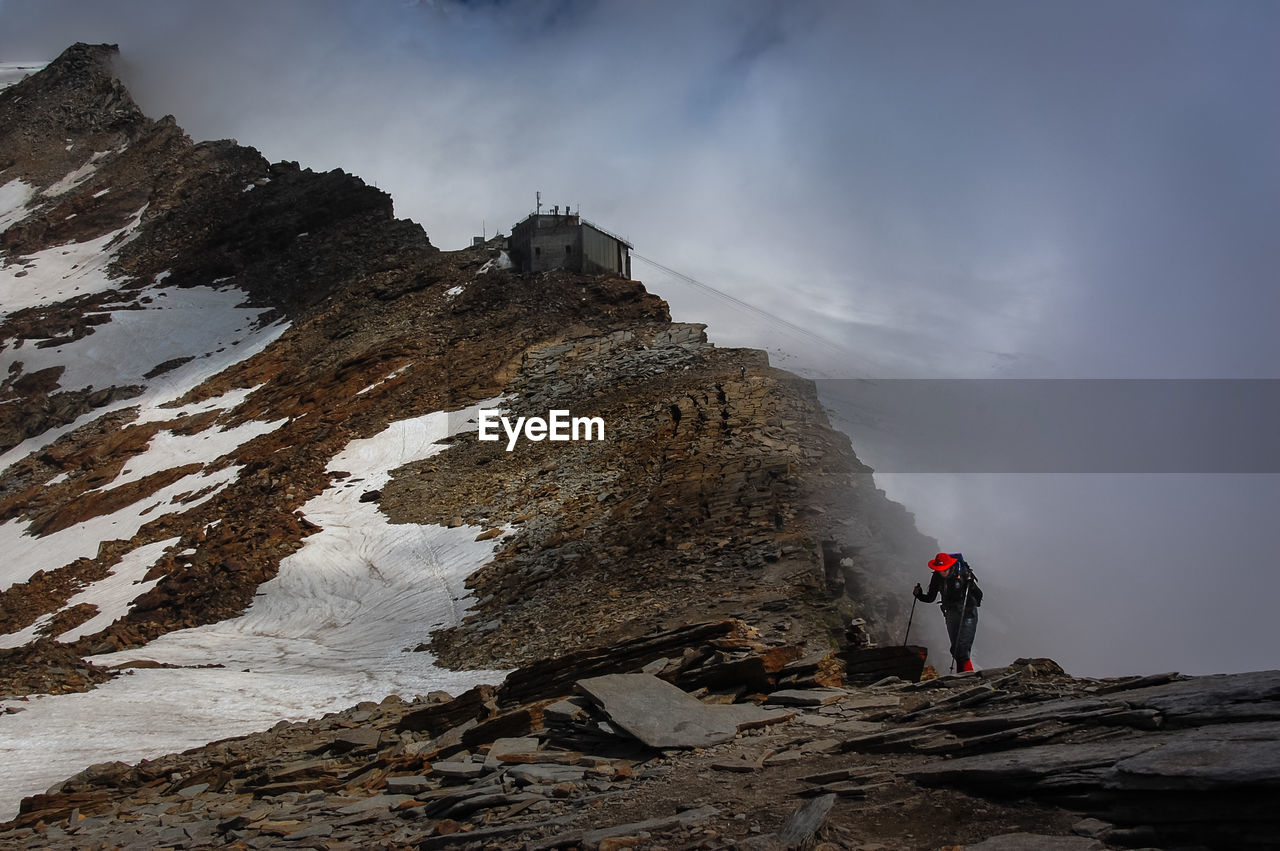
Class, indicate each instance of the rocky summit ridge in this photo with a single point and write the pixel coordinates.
(238, 417)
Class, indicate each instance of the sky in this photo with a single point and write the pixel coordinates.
(984, 190)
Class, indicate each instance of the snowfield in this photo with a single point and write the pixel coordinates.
(61, 272)
(203, 330)
(28, 554)
(335, 627)
(14, 72)
(113, 596)
(25, 554)
(195, 322)
(14, 196)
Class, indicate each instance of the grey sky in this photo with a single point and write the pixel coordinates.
(987, 189)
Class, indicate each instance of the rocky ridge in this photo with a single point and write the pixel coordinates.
(719, 491)
(700, 450)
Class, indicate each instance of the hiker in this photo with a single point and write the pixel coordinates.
(961, 596)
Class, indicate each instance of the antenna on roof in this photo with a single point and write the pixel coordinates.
(539, 203)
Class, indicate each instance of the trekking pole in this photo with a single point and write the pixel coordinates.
(964, 606)
(909, 619)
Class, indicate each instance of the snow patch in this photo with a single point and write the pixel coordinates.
(168, 450)
(178, 322)
(113, 595)
(502, 261)
(24, 636)
(228, 401)
(14, 196)
(164, 389)
(75, 178)
(62, 272)
(385, 379)
(453, 292)
(329, 631)
(26, 554)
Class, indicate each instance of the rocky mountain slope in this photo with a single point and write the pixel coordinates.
(243, 500)
(208, 358)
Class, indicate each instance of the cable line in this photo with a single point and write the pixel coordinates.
(737, 302)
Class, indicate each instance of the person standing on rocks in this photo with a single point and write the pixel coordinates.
(961, 596)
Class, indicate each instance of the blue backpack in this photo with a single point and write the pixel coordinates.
(965, 574)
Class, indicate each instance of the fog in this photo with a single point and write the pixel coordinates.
(931, 190)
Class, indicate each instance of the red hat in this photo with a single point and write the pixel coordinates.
(942, 562)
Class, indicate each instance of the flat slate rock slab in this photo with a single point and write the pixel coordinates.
(806, 697)
(408, 785)
(748, 716)
(663, 716)
(592, 838)
(358, 738)
(1221, 757)
(1018, 768)
(1213, 699)
(1036, 842)
(1206, 758)
(465, 770)
(502, 748)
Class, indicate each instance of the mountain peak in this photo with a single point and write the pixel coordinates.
(78, 92)
(54, 121)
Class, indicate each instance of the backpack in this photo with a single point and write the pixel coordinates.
(965, 574)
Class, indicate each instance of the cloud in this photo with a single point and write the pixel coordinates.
(1061, 185)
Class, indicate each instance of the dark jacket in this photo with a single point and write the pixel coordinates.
(951, 586)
